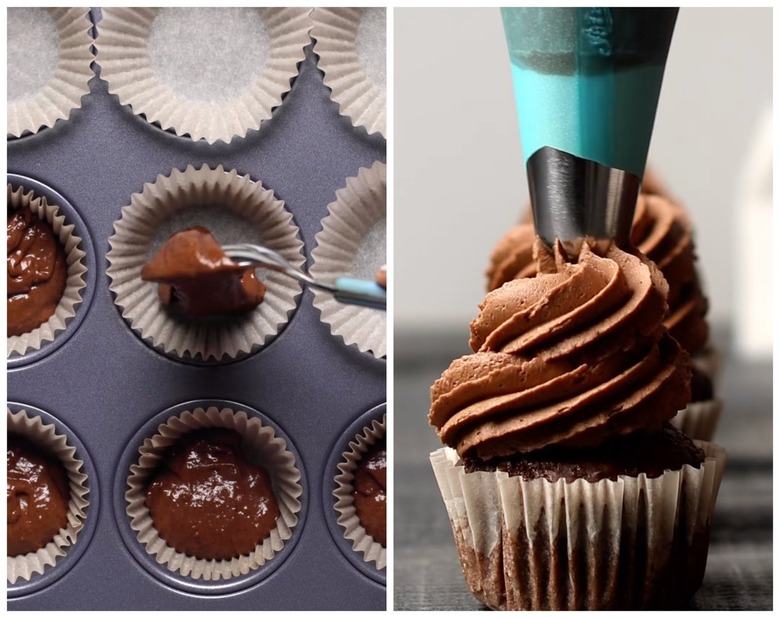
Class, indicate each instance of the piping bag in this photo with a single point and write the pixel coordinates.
(587, 82)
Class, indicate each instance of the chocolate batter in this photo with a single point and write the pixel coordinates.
(198, 280)
(37, 494)
(369, 492)
(37, 271)
(206, 501)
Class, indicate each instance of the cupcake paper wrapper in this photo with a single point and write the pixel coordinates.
(261, 446)
(538, 545)
(186, 70)
(49, 58)
(235, 209)
(354, 531)
(351, 45)
(699, 419)
(352, 243)
(75, 283)
(26, 566)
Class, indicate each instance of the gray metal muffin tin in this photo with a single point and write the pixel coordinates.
(107, 389)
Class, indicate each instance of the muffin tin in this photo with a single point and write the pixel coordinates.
(107, 389)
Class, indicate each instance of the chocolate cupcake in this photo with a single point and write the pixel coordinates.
(662, 231)
(46, 271)
(194, 483)
(47, 496)
(565, 486)
(235, 209)
(361, 493)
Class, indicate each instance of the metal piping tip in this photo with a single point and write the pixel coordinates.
(573, 198)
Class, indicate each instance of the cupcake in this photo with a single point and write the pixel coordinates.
(214, 494)
(564, 483)
(361, 494)
(46, 271)
(662, 231)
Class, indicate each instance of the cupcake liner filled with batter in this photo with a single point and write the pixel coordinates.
(189, 507)
(49, 66)
(352, 243)
(350, 43)
(45, 468)
(537, 544)
(235, 209)
(208, 73)
(360, 493)
(44, 257)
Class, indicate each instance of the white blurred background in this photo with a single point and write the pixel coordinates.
(460, 181)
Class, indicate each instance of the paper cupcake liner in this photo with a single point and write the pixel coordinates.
(236, 209)
(217, 88)
(362, 542)
(49, 66)
(352, 243)
(26, 566)
(261, 446)
(351, 45)
(536, 545)
(699, 419)
(18, 197)
(710, 362)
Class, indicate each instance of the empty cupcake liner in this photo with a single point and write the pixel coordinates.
(19, 197)
(536, 545)
(354, 531)
(189, 69)
(352, 243)
(352, 49)
(49, 66)
(236, 209)
(699, 419)
(25, 567)
(261, 445)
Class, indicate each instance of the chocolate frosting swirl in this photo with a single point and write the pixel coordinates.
(570, 357)
(663, 232)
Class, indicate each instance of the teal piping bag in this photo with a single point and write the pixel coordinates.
(587, 82)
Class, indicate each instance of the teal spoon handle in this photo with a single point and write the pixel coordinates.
(360, 292)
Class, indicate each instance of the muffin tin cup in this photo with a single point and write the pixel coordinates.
(366, 555)
(263, 443)
(152, 88)
(236, 209)
(73, 236)
(352, 243)
(59, 70)
(27, 573)
(362, 542)
(539, 545)
(350, 43)
(699, 419)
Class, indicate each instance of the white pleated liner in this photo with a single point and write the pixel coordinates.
(335, 32)
(699, 419)
(124, 63)
(359, 207)
(18, 197)
(606, 527)
(26, 566)
(261, 446)
(354, 531)
(70, 78)
(131, 247)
